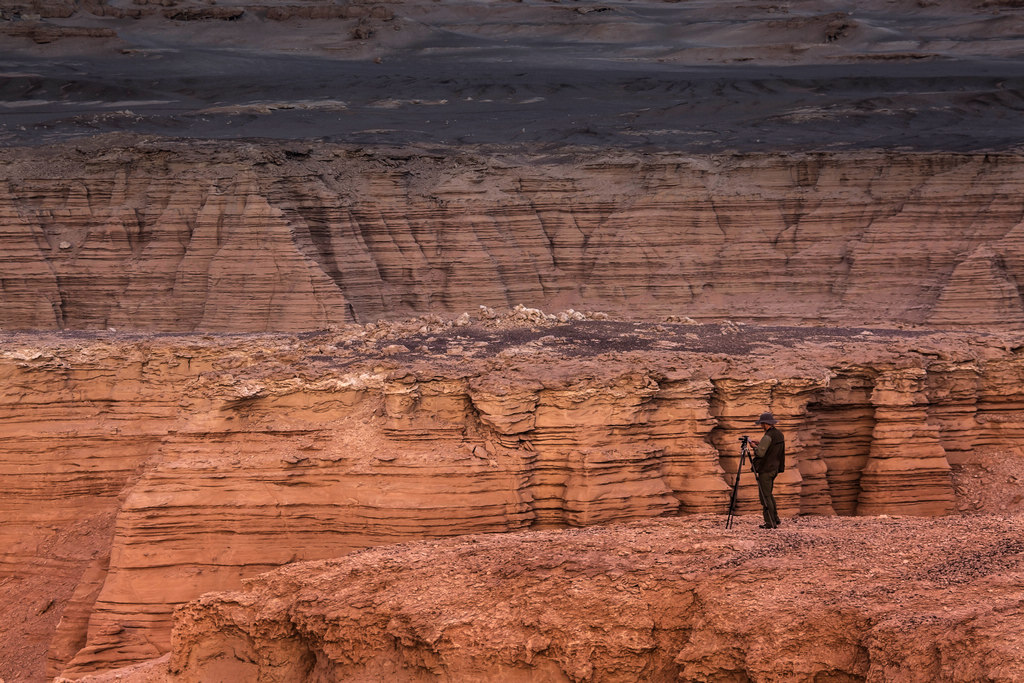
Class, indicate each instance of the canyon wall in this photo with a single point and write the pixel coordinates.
(197, 462)
(231, 237)
(328, 200)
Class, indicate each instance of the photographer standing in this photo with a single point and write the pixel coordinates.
(769, 459)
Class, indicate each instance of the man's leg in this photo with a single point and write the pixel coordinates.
(765, 484)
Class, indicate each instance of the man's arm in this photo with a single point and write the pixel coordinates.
(762, 445)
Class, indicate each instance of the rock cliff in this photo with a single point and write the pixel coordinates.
(170, 237)
(196, 462)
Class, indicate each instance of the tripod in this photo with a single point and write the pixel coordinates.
(744, 446)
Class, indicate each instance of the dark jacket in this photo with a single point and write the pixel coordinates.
(773, 456)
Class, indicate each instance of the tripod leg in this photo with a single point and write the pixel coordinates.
(732, 501)
(735, 486)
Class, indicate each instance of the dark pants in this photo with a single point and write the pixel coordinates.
(765, 484)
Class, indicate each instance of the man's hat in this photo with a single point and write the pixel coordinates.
(766, 418)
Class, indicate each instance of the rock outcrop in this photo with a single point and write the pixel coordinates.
(162, 237)
(667, 600)
(197, 462)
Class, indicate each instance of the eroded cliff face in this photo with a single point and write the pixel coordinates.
(196, 462)
(668, 168)
(167, 237)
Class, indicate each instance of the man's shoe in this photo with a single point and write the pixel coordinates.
(764, 526)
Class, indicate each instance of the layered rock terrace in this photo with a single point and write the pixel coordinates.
(196, 462)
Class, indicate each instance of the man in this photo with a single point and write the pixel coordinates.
(769, 460)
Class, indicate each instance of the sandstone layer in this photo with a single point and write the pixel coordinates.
(177, 237)
(197, 462)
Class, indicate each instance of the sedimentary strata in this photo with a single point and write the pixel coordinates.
(337, 163)
(235, 238)
(206, 460)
